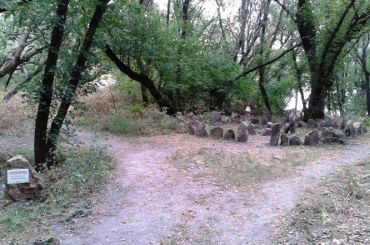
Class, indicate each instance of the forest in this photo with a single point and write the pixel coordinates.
(137, 94)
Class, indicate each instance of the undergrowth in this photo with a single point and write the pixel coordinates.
(67, 196)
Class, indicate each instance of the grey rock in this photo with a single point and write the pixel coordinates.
(200, 130)
(311, 124)
(284, 140)
(357, 128)
(242, 135)
(267, 132)
(269, 125)
(235, 118)
(251, 129)
(230, 135)
(295, 140)
(312, 139)
(275, 134)
(332, 135)
(217, 133)
(216, 118)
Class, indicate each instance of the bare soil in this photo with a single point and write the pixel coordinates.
(150, 201)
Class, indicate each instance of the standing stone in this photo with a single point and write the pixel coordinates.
(311, 124)
(251, 129)
(217, 133)
(295, 140)
(242, 135)
(230, 135)
(216, 118)
(284, 140)
(24, 191)
(275, 134)
(235, 118)
(312, 139)
(200, 130)
(267, 132)
(266, 117)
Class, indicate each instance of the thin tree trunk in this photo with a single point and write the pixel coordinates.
(168, 12)
(46, 90)
(75, 78)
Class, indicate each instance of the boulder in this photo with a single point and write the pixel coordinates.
(242, 135)
(269, 125)
(235, 117)
(200, 130)
(251, 129)
(230, 135)
(267, 132)
(24, 191)
(216, 118)
(191, 129)
(301, 124)
(275, 134)
(217, 133)
(357, 128)
(311, 124)
(284, 140)
(295, 140)
(332, 135)
(225, 119)
(312, 138)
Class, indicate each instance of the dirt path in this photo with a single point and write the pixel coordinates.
(149, 202)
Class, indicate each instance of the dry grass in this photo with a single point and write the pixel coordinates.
(16, 116)
(336, 213)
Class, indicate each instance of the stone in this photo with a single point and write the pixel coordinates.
(251, 129)
(200, 130)
(242, 135)
(332, 135)
(230, 135)
(275, 134)
(235, 117)
(216, 118)
(191, 129)
(267, 132)
(269, 125)
(284, 140)
(312, 138)
(266, 117)
(295, 140)
(248, 113)
(225, 119)
(311, 124)
(217, 133)
(24, 191)
(255, 121)
(357, 128)
(301, 124)
(347, 131)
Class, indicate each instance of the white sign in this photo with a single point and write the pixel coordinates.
(18, 176)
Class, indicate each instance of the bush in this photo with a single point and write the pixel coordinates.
(121, 125)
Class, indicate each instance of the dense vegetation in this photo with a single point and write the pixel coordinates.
(186, 57)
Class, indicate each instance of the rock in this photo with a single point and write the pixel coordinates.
(331, 135)
(255, 121)
(200, 130)
(216, 118)
(230, 135)
(312, 139)
(225, 119)
(267, 132)
(251, 129)
(284, 140)
(191, 129)
(301, 124)
(266, 117)
(242, 135)
(269, 125)
(217, 133)
(347, 131)
(235, 118)
(275, 134)
(295, 140)
(311, 124)
(26, 191)
(357, 128)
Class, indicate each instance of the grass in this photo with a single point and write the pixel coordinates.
(338, 212)
(238, 169)
(66, 197)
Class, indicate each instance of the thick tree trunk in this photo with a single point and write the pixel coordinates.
(46, 90)
(144, 95)
(75, 78)
(316, 106)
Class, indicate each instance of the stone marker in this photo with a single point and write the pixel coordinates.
(235, 118)
(242, 135)
(230, 135)
(200, 130)
(284, 140)
(22, 181)
(275, 134)
(312, 139)
(251, 129)
(295, 140)
(216, 118)
(217, 133)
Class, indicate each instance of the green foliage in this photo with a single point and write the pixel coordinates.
(119, 124)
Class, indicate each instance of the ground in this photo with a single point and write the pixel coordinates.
(166, 190)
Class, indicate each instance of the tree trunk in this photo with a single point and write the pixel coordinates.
(316, 106)
(75, 78)
(46, 90)
(368, 93)
(144, 95)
